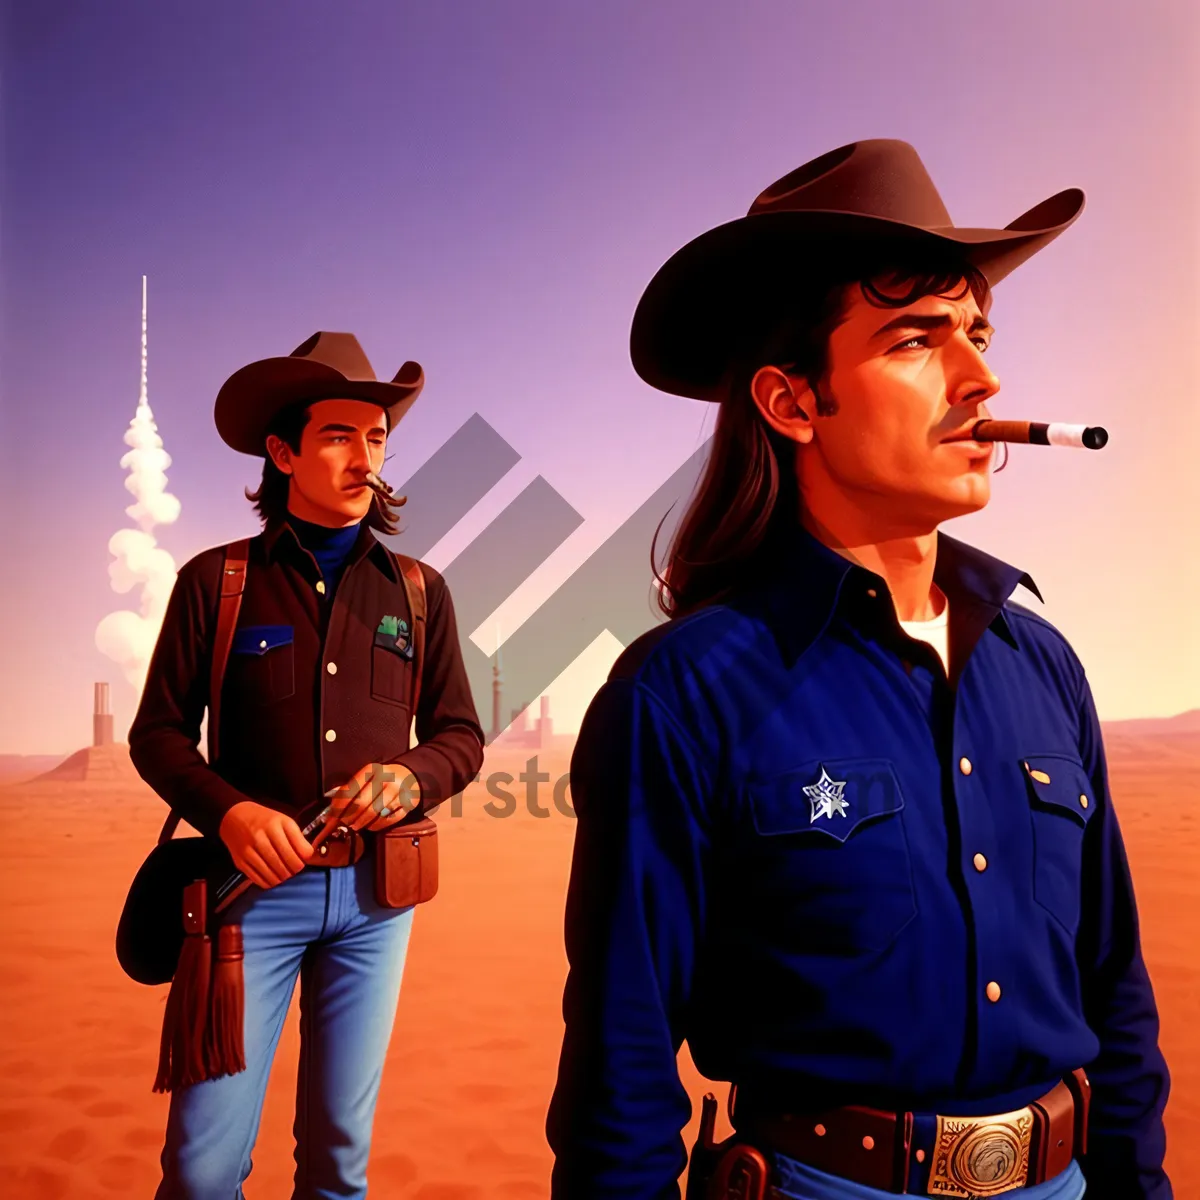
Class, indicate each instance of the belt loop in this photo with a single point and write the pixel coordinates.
(1081, 1092)
(902, 1147)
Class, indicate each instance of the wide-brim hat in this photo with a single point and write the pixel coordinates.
(696, 314)
(328, 366)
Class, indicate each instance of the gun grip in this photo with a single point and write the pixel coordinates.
(741, 1174)
(708, 1122)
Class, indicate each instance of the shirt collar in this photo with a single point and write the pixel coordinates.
(279, 537)
(810, 579)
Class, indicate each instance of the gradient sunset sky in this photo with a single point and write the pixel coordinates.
(487, 187)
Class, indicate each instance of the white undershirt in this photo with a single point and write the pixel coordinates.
(935, 633)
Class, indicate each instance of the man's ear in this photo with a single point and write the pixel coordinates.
(785, 401)
(280, 452)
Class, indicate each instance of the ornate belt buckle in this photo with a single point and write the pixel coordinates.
(976, 1157)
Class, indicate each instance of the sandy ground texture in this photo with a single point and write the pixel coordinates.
(473, 1058)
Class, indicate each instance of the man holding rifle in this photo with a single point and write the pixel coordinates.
(314, 712)
(844, 822)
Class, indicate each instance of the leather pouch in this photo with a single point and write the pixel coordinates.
(406, 864)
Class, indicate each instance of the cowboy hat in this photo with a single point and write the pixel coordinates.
(695, 312)
(329, 366)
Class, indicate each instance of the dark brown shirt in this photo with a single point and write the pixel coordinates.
(314, 688)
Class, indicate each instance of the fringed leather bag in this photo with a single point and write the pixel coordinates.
(170, 928)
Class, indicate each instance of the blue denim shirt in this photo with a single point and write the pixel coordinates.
(781, 801)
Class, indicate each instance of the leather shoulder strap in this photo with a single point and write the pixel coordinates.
(233, 583)
(414, 589)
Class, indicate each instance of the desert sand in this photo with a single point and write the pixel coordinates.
(472, 1062)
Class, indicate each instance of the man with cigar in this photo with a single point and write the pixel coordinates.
(315, 703)
(844, 822)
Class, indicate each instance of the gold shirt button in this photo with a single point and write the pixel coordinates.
(872, 593)
(868, 1142)
(819, 1130)
(993, 991)
(980, 862)
(331, 735)
(1084, 801)
(920, 1156)
(964, 765)
(331, 668)
(321, 586)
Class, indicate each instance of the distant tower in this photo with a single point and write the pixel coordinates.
(497, 691)
(545, 725)
(520, 719)
(102, 722)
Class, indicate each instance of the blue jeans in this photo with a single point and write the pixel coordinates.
(324, 926)
(798, 1181)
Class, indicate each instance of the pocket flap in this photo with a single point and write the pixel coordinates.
(831, 797)
(258, 639)
(397, 642)
(1059, 782)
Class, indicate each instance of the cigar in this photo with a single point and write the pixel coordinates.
(1040, 433)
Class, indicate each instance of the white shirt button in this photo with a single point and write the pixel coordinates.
(321, 586)
(331, 668)
(263, 644)
(964, 765)
(331, 735)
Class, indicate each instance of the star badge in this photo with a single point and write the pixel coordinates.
(826, 797)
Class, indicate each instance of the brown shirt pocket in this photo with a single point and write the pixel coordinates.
(391, 668)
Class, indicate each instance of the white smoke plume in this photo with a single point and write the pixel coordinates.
(124, 636)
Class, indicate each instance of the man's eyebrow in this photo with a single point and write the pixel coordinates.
(940, 321)
(333, 428)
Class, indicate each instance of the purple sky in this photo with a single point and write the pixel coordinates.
(487, 188)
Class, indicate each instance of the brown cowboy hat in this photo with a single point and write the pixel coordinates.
(329, 366)
(695, 314)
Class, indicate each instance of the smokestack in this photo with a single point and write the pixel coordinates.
(545, 725)
(497, 691)
(102, 722)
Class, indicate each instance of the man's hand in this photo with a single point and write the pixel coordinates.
(378, 795)
(267, 846)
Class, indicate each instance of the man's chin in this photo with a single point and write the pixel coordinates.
(347, 508)
(966, 497)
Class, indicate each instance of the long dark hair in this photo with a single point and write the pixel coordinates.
(270, 500)
(748, 496)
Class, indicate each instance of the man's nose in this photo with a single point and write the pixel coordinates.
(360, 456)
(976, 382)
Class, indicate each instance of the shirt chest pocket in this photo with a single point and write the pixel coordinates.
(831, 854)
(1061, 804)
(262, 663)
(391, 666)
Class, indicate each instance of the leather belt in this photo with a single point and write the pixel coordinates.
(969, 1157)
